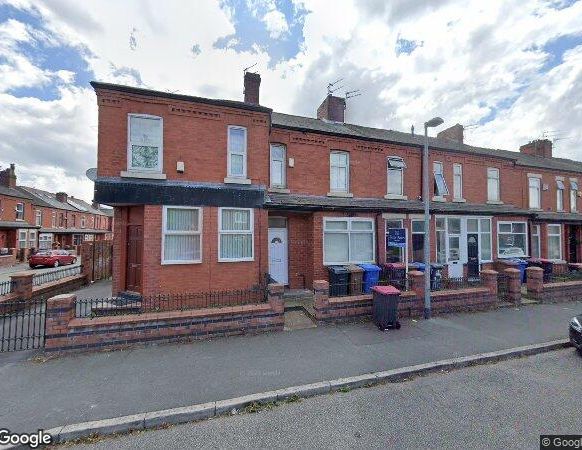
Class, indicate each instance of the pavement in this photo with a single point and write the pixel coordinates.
(504, 405)
(83, 387)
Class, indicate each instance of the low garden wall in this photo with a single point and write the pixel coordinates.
(65, 332)
(411, 304)
(552, 292)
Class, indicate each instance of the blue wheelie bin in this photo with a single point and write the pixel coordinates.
(371, 276)
(521, 264)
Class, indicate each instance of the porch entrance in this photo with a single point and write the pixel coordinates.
(134, 258)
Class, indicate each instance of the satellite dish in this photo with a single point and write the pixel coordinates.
(91, 173)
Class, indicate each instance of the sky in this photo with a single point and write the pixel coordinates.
(509, 71)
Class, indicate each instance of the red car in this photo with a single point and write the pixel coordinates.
(52, 258)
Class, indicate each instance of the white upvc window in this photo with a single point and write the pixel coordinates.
(534, 184)
(145, 147)
(573, 196)
(181, 235)
(536, 251)
(22, 238)
(237, 152)
(38, 218)
(348, 241)
(53, 219)
(555, 242)
(278, 165)
(339, 171)
(32, 239)
(395, 181)
(457, 181)
(235, 234)
(83, 221)
(440, 184)
(493, 184)
(20, 211)
(511, 239)
(45, 241)
(559, 195)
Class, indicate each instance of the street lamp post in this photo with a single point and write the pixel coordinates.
(434, 122)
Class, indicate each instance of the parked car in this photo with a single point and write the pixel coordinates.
(576, 332)
(51, 258)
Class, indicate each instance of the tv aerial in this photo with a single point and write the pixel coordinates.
(249, 67)
(354, 93)
(332, 87)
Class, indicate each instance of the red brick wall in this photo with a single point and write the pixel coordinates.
(197, 135)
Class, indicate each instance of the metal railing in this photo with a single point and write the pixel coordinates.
(22, 324)
(562, 277)
(122, 305)
(54, 275)
(6, 287)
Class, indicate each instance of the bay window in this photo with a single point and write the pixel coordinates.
(555, 242)
(393, 254)
(45, 241)
(235, 234)
(395, 181)
(237, 152)
(145, 143)
(511, 239)
(32, 239)
(22, 238)
(559, 195)
(493, 184)
(339, 171)
(534, 192)
(535, 242)
(181, 235)
(349, 240)
(278, 164)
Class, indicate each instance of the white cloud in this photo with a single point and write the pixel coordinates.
(476, 56)
(276, 23)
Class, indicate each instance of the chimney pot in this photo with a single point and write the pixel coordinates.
(252, 84)
(332, 108)
(8, 177)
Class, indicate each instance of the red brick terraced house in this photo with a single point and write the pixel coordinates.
(34, 219)
(213, 194)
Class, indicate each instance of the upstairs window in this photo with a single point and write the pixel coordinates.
(145, 147)
(534, 193)
(457, 181)
(559, 195)
(20, 211)
(38, 217)
(339, 171)
(237, 152)
(440, 185)
(54, 219)
(493, 184)
(278, 164)
(83, 221)
(573, 196)
(396, 166)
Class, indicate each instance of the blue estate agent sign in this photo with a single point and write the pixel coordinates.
(396, 237)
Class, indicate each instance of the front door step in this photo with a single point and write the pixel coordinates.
(297, 319)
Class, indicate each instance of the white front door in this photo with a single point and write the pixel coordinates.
(278, 255)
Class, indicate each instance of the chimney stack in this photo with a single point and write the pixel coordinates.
(332, 108)
(538, 147)
(8, 177)
(454, 134)
(61, 197)
(252, 83)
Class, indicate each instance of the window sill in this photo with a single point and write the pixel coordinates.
(536, 209)
(235, 260)
(174, 263)
(234, 180)
(459, 200)
(279, 190)
(494, 202)
(395, 197)
(149, 175)
(340, 194)
(437, 198)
